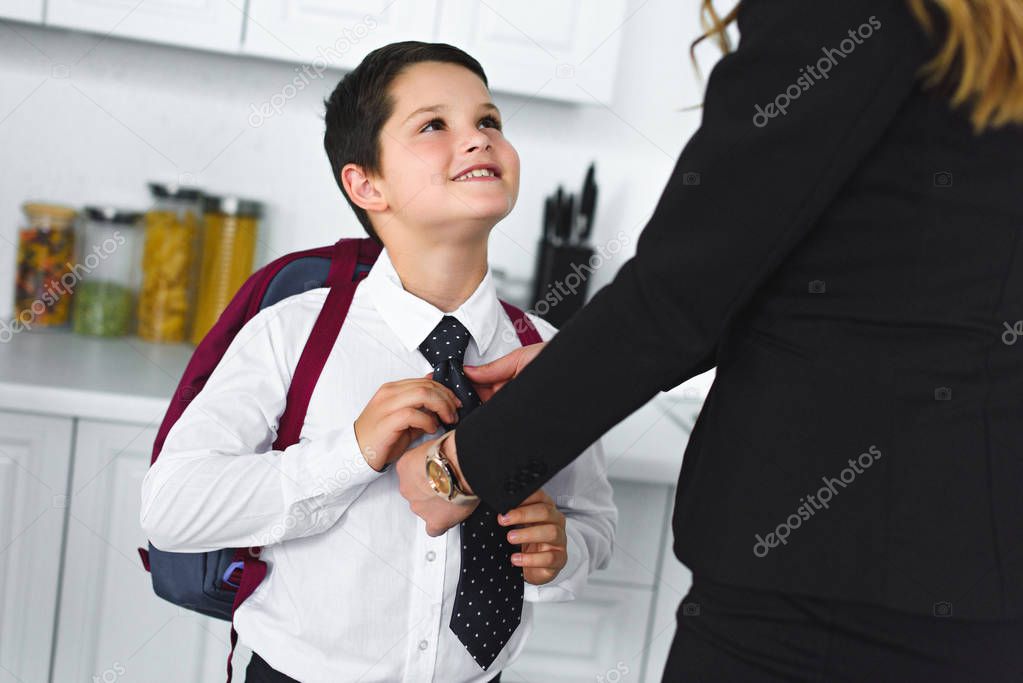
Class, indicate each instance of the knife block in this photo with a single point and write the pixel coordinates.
(561, 280)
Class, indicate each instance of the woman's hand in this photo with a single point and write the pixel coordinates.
(438, 514)
(544, 542)
(489, 378)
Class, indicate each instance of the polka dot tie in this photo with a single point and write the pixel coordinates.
(488, 603)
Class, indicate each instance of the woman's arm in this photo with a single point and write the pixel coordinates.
(764, 182)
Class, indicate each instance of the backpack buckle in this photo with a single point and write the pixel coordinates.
(231, 568)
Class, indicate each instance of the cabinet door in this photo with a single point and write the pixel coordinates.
(648, 445)
(22, 10)
(640, 534)
(557, 49)
(672, 585)
(205, 24)
(597, 637)
(112, 625)
(35, 456)
(334, 33)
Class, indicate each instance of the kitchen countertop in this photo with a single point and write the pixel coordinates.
(120, 379)
(125, 379)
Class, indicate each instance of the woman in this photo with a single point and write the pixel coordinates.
(851, 261)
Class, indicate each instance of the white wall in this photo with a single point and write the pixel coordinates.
(86, 120)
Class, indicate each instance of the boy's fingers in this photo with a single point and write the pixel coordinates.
(405, 385)
(539, 533)
(544, 559)
(445, 391)
(533, 513)
(433, 397)
(513, 516)
(411, 417)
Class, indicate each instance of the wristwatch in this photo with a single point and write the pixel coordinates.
(441, 476)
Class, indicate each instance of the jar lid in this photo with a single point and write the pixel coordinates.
(44, 210)
(110, 214)
(173, 191)
(232, 206)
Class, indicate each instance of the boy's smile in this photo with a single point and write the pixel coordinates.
(445, 164)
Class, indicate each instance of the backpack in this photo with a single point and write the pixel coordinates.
(215, 583)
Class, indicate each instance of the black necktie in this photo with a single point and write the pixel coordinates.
(488, 603)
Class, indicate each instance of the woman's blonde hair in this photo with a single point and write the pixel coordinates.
(982, 53)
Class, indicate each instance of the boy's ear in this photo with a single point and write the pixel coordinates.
(362, 188)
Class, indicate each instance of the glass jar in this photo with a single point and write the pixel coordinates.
(169, 263)
(45, 281)
(229, 245)
(104, 302)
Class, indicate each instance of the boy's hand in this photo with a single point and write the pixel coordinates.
(542, 535)
(489, 378)
(399, 413)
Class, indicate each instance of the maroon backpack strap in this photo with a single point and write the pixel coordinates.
(343, 282)
(524, 327)
(321, 340)
(243, 306)
(253, 573)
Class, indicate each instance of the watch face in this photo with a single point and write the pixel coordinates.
(439, 476)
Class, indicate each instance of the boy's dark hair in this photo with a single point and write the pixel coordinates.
(361, 104)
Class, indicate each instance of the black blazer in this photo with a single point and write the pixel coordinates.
(849, 266)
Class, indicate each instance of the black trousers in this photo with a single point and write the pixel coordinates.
(258, 671)
(731, 634)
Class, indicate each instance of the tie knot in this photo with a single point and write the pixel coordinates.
(448, 341)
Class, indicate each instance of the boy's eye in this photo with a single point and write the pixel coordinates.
(489, 120)
(432, 122)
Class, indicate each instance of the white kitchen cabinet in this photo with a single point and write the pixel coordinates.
(601, 635)
(22, 10)
(649, 444)
(673, 583)
(205, 24)
(335, 33)
(552, 49)
(35, 453)
(640, 533)
(555, 49)
(112, 626)
(588, 638)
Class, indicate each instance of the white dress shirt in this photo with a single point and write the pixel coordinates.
(356, 589)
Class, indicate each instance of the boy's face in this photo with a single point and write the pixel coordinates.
(424, 154)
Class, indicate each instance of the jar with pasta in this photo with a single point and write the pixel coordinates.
(229, 242)
(45, 280)
(104, 303)
(169, 263)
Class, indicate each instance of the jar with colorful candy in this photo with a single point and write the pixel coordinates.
(45, 278)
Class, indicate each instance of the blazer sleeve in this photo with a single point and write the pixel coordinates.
(774, 147)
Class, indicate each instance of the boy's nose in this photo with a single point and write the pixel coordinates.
(478, 140)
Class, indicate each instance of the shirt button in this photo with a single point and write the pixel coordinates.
(431, 556)
(423, 644)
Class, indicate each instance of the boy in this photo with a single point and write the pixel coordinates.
(357, 590)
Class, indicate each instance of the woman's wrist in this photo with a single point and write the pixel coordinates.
(450, 451)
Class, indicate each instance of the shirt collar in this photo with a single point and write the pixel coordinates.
(412, 319)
